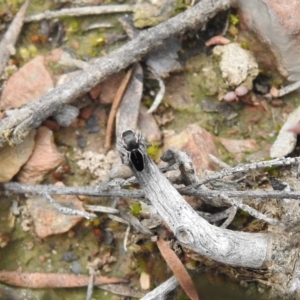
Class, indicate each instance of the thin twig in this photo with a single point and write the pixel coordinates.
(80, 11)
(114, 109)
(126, 238)
(251, 211)
(96, 191)
(251, 194)
(277, 162)
(10, 37)
(285, 90)
(117, 219)
(69, 211)
(23, 188)
(161, 93)
(216, 217)
(231, 214)
(102, 209)
(218, 162)
(162, 290)
(135, 222)
(90, 288)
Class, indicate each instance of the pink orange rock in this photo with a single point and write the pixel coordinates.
(44, 158)
(27, 84)
(198, 143)
(13, 158)
(47, 220)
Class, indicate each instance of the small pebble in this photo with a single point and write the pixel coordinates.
(274, 92)
(66, 116)
(42, 258)
(92, 124)
(76, 267)
(241, 91)
(69, 256)
(81, 141)
(108, 237)
(14, 209)
(230, 96)
(86, 112)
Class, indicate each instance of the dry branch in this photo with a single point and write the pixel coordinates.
(80, 11)
(18, 124)
(69, 211)
(162, 290)
(277, 162)
(104, 191)
(230, 247)
(11, 35)
(251, 211)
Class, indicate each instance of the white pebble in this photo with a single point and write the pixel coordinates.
(230, 96)
(241, 91)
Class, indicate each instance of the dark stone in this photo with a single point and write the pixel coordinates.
(81, 141)
(69, 256)
(76, 267)
(92, 124)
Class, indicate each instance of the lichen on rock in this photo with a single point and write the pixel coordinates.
(238, 66)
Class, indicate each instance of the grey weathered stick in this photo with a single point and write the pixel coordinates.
(96, 191)
(102, 209)
(192, 231)
(90, 288)
(14, 128)
(251, 211)
(80, 11)
(104, 191)
(11, 35)
(133, 221)
(69, 211)
(231, 214)
(251, 194)
(162, 290)
(277, 162)
(212, 218)
(286, 89)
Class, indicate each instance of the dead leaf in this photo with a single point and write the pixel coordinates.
(128, 112)
(53, 280)
(114, 108)
(178, 269)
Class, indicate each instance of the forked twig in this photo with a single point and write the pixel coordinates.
(69, 211)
